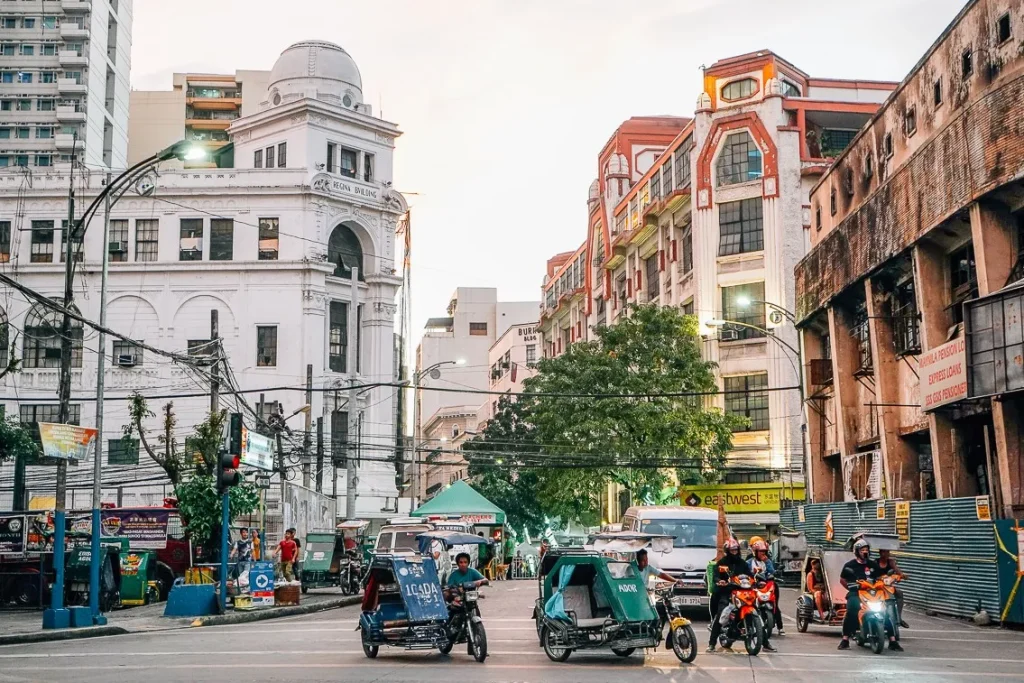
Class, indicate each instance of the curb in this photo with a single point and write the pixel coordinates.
(63, 634)
(275, 612)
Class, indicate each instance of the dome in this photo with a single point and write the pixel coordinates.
(316, 69)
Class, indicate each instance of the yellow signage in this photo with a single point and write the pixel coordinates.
(739, 498)
(903, 521)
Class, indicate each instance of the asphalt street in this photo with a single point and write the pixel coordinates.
(325, 647)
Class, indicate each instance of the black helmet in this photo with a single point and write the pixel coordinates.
(861, 543)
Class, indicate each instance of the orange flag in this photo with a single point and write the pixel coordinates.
(830, 532)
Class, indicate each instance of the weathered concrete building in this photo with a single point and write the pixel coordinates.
(909, 301)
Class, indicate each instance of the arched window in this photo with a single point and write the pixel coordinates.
(739, 90)
(740, 160)
(345, 252)
(42, 339)
(4, 340)
(455, 431)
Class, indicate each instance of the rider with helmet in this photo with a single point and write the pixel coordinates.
(860, 568)
(730, 565)
(760, 563)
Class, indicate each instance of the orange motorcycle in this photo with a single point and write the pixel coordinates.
(740, 619)
(877, 616)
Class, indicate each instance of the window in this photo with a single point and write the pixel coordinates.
(7, 77)
(50, 22)
(1003, 29)
(531, 353)
(937, 92)
(832, 202)
(5, 249)
(44, 133)
(655, 185)
(905, 319)
(835, 140)
(266, 346)
(42, 242)
(7, 50)
(4, 339)
(147, 233)
(666, 178)
(6, 105)
(817, 217)
(49, 413)
(963, 279)
(738, 90)
(126, 354)
(338, 342)
(688, 250)
(621, 292)
(967, 63)
(122, 451)
(741, 228)
(478, 329)
(739, 161)
(49, 50)
(257, 159)
(268, 156)
(910, 121)
(345, 252)
(651, 274)
(23, 133)
(282, 154)
(868, 166)
(747, 396)
(43, 339)
(688, 307)
(349, 161)
(340, 444)
(28, 50)
(790, 90)
(45, 105)
(190, 240)
(887, 145)
(28, 22)
(222, 239)
(200, 348)
(331, 148)
(681, 162)
(47, 77)
(24, 77)
(367, 167)
(118, 244)
(44, 160)
(861, 333)
(269, 239)
(739, 304)
(5, 133)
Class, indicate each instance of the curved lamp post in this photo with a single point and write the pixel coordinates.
(434, 371)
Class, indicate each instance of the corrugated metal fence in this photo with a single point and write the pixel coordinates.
(950, 559)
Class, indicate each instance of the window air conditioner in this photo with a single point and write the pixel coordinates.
(126, 360)
(118, 247)
(727, 335)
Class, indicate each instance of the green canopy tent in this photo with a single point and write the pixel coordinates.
(462, 499)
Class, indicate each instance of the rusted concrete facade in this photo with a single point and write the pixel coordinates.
(922, 215)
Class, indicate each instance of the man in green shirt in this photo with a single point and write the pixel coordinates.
(465, 575)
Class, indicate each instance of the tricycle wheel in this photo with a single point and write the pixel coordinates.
(623, 651)
(802, 622)
(684, 644)
(446, 648)
(370, 650)
(478, 648)
(552, 649)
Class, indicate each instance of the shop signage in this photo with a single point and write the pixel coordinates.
(528, 334)
(880, 509)
(66, 442)
(479, 519)
(943, 373)
(145, 528)
(903, 521)
(739, 498)
(983, 509)
(12, 534)
(257, 450)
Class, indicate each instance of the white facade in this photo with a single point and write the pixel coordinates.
(64, 69)
(270, 249)
(513, 358)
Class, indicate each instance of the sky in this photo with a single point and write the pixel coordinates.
(505, 104)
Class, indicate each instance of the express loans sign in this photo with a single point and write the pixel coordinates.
(943, 373)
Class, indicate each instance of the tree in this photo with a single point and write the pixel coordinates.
(499, 465)
(16, 441)
(634, 437)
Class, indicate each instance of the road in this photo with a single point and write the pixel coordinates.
(325, 647)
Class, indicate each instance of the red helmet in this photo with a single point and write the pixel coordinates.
(730, 544)
(758, 546)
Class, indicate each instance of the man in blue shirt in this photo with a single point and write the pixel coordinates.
(465, 575)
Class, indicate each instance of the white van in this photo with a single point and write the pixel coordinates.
(398, 537)
(695, 531)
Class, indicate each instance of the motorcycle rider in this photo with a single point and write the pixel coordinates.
(860, 568)
(887, 565)
(730, 565)
(760, 563)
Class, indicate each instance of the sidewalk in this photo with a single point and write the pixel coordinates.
(26, 626)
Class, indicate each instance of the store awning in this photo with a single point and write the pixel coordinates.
(462, 499)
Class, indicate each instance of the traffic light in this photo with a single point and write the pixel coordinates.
(227, 472)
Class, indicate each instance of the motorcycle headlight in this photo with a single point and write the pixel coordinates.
(764, 595)
(876, 607)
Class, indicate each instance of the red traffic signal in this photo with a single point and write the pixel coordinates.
(227, 471)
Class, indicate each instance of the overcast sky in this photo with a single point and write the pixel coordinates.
(505, 104)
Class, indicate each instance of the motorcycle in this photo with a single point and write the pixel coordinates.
(766, 602)
(877, 613)
(465, 624)
(680, 636)
(351, 575)
(740, 619)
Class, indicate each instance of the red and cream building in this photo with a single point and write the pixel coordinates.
(713, 220)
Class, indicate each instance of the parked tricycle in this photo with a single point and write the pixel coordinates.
(403, 605)
(76, 577)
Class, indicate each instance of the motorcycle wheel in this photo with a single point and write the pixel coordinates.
(552, 649)
(623, 651)
(768, 619)
(684, 644)
(878, 638)
(479, 647)
(754, 634)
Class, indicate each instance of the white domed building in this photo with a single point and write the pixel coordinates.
(273, 244)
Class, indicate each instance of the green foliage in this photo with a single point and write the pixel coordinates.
(16, 441)
(200, 506)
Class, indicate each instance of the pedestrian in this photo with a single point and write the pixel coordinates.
(298, 553)
(254, 533)
(287, 551)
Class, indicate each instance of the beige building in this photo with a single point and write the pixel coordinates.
(513, 358)
(444, 432)
(199, 107)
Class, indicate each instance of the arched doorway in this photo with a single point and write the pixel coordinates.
(345, 252)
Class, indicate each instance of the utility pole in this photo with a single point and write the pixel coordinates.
(353, 399)
(320, 454)
(215, 370)
(101, 367)
(306, 455)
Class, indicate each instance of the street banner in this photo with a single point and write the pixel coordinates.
(145, 528)
(261, 584)
(66, 442)
(12, 534)
(943, 374)
(257, 450)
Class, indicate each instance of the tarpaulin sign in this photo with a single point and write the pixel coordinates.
(12, 534)
(66, 442)
(145, 528)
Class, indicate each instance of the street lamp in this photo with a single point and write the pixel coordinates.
(113, 191)
(434, 371)
(743, 301)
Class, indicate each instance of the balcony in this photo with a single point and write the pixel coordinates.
(214, 103)
(208, 124)
(72, 6)
(70, 85)
(67, 112)
(72, 58)
(64, 141)
(71, 30)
